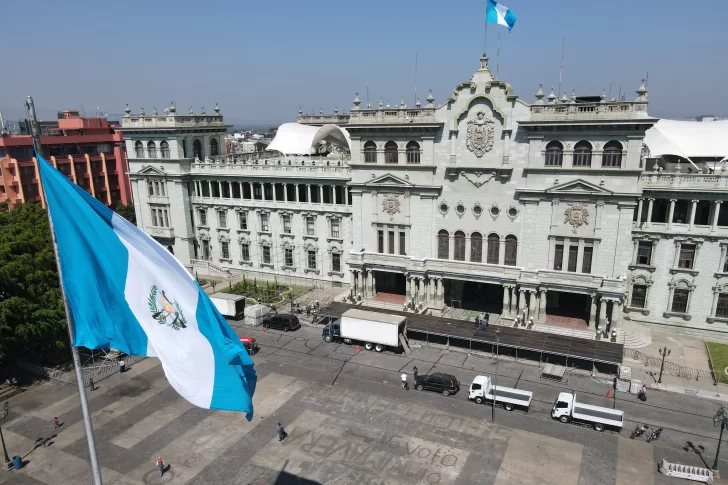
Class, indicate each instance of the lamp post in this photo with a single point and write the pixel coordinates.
(664, 352)
(720, 419)
(3, 415)
(495, 381)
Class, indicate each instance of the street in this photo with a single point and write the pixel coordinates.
(362, 429)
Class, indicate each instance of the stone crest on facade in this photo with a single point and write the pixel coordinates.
(481, 134)
(577, 215)
(390, 205)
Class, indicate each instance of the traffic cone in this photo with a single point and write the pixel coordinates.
(472, 367)
(609, 393)
(357, 349)
(262, 329)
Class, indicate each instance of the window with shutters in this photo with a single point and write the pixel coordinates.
(310, 226)
(459, 249)
(644, 253)
(687, 256)
(443, 244)
(288, 255)
(336, 262)
(222, 219)
(586, 263)
(573, 256)
(380, 241)
(680, 300)
(225, 249)
(245, 251)
(287, 224)
(558, 257)
(639, 296)
(311, 259)
(493, 256)
(266, 254)
(721, 310)
(476, 247)
(511, 255)
(243, 220)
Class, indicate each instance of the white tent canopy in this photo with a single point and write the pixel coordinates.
(688, 139)
(297, 139)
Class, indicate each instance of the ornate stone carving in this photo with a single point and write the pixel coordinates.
(512, 212)
(494, 210)
(481, 134)
(478, 178)
(390, 205)
(577, 215)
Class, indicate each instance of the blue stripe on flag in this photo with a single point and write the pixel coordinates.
(510, 19)
(491, 15)
(97, 314)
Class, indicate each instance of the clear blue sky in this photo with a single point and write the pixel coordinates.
(262, 59)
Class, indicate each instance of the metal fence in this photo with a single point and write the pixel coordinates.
(671, 368)
(95, 372)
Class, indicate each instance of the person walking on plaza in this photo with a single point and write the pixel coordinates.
(281, 432)
(56, 423)
(415, 372)
(405, 385)
(160, 466)
(477, 322)
(122, 366)
(91, 384)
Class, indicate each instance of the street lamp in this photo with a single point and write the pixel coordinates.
(664, 352)
(495, 381)
(720, 419)
(3, 415)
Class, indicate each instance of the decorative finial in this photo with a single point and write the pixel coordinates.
(141, 111)
(483, 63)
(300, 111)
(430, 99)
(540, 94)
(573, 96)
(357, 102)
(155, 112)
(217, 110)
(321, 111)
(642, 92)
(369, 105)
(380, 103)
(336, 110)
(387, 105)
(552, 96)
(417, 103)
(127, 110)
(171, 108)
(202, 110)
(563, 98)
(402, 103)
(190, 112)
(603, 96)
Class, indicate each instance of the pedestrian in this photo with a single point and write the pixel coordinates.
(405, 385)
(642, 395)
(122, 366)
(91, 384)
(160, 466)
(56, 423)
(281, 432)
(530, 322)
(308, 310)
(415, 372)
(477, 322)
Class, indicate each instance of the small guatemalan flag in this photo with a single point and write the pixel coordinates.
(499, 14)
(125, 291)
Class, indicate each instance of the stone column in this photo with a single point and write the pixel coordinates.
(346, 195)
(407, 287)
(639, 212)
(359, 282)
(321, 194)
(285, 192)
(252, 191)
(522, 301)
(431, 291)
(440, 292)
(603, 313)
(532, 304)
(374, 284)
(593, 311)
(262, 191)
(506, 301)
(648, 223)
(671, 213)
(352, 276)
(716, 213)
(616, 315)
(693, 208)
(714, 305)
(542, 306)
(273, 189)
(308, 193)
(676, 258)
(565, 256)
(580, 256)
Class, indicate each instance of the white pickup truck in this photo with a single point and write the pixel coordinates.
(482, 390)
(566, 410)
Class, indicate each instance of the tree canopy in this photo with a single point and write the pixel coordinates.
(127, 212)
(31, 308)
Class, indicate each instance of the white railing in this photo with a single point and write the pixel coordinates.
(170, 121)
(589, 111)
(393, 115)
(326, 168)
(684, 180)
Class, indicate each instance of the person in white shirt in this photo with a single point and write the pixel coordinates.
(405, 386)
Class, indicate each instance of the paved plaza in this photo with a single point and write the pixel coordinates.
(363, 429)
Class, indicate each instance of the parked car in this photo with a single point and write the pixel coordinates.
(251, 345)
(282, 321)
(445, 383)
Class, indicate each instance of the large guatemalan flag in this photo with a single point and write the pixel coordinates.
(500, 14)
(125, 291)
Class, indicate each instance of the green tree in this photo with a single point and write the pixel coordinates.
(127, 212)
(31, 308)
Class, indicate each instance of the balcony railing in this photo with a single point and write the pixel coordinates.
(171, 121)
(589, 111)
(396, 115)
(684, 181)
(316, 167)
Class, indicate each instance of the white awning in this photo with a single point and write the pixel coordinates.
(298, 139)
(688, 139)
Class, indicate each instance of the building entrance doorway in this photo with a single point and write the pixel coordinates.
(390, 283)
(572, 308)
(472, 295)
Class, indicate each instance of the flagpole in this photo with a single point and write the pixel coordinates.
(96, 471)
(485, 38)
(497, 58)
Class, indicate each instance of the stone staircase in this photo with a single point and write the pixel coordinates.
(634, 336)
(569, 332)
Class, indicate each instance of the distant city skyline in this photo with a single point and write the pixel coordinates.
(262, 61)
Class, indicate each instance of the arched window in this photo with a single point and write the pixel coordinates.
(511, 250)
(152, 149)
(139, 149)
(554, 154)
(413, 152)
(197, 149)
(476, 247)
(164, 148)
(390, 152)
(582, 154)
(443, 244)
(493, 249)
(459, 246)
(214, 149)
(612, 155)
(370, 152)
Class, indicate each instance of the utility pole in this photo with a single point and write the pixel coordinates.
(495, 381)
(664, 352)
(720, 419)
(34, 128)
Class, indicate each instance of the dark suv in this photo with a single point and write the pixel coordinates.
(445, 383)
(283, 321)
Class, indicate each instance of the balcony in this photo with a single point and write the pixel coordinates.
(163, 232)
(334, 119)
(393, 116)
(697, 181)
(172, 121)
(589, 111)
(306, 167)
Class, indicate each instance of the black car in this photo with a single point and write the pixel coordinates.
(445, 383)
(282, 321)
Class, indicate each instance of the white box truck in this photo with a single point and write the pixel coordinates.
(374, 330)
(230, 306)
(566, 409)
(482, 390)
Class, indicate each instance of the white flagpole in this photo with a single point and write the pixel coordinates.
(497, 58)
(96, 471)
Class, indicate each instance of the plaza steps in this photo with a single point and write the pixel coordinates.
(633, 336)
(569, 332)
